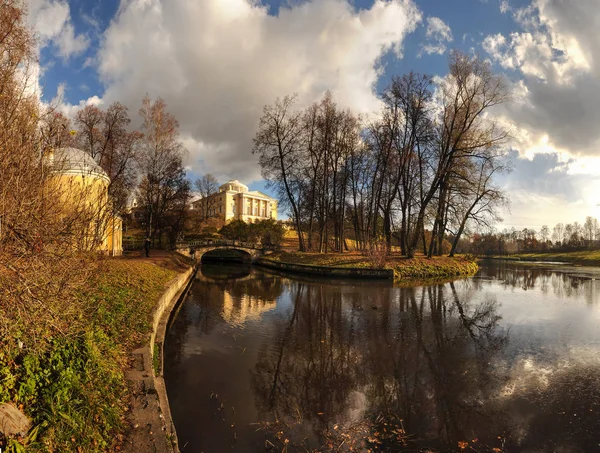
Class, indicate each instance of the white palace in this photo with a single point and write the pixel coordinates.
(235, 202)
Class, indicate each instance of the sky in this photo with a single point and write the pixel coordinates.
(216, 63)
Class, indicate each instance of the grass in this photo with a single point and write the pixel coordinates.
(419, 267)
(582, 257)
(74, 389)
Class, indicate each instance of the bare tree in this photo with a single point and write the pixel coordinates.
(164, 188)
(480, 197)
(428, 160)
(464, 131)
(55, 130)
(207, 185)
(589, 228)
(105, 136)
(558, 233)
(278, 144)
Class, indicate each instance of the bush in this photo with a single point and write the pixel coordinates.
(236, 230)
(378, 254)
(268, 232)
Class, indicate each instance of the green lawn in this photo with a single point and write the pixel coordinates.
(582, 257)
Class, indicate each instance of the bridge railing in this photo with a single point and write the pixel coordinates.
(221, 243)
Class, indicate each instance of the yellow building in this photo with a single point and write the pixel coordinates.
(235, 202)
(83, 186)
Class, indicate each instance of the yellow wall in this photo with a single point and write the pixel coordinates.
(85, 199)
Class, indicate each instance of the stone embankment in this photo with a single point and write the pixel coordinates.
(328, 271)
(150, 416)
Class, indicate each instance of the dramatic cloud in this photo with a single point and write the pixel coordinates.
(51, 20)
(560, 86)
(438, 34)
(218, 62)
(553, 61)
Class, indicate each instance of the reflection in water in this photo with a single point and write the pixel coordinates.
(499, 361)
(423, 355)
(561, 280)
(239, 310)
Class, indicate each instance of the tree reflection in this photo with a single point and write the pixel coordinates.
(563, 281)
(344, 358)
(338, 367)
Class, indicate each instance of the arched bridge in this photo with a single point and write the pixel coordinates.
(255, 250)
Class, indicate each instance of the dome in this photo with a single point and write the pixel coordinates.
(76, 161)
(233, 185)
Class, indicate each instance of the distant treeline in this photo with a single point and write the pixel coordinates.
(566, 237)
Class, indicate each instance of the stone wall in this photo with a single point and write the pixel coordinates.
(326, 271)
(150, 416)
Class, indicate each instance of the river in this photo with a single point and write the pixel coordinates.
(508, 360)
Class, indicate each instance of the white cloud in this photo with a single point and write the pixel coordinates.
(438, 34)
(218, 62)
(70, 110)
(494, 45)
(504, 6)
(51, 23)
(555, 101)
(542, 50)
(51, 20)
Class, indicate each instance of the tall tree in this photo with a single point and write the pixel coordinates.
(464, 131)
(278, 144)
(105, 136)
(164, 189)
(207, 185)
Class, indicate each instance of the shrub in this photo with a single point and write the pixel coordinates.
(268, 232)
(378, 254)
(236, 230)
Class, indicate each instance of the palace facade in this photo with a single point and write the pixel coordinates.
(235, 202)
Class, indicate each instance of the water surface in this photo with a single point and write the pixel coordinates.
(506, 361)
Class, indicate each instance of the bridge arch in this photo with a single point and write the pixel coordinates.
(231, 253)
(200, 248)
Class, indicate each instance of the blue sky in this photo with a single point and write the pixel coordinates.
(217, 62)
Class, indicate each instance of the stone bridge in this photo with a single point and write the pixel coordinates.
(255, 250)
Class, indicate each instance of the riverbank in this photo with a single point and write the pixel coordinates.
(582, 257)
(73, 387)
(400, 267)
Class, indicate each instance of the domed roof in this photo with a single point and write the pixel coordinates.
(234, 184)
(76, 161)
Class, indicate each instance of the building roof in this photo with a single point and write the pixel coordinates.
(234, 183)
(257, 193)
(76, 161)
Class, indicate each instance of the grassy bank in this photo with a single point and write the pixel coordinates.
(582, 257)
(417, 268)
(72, 385)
